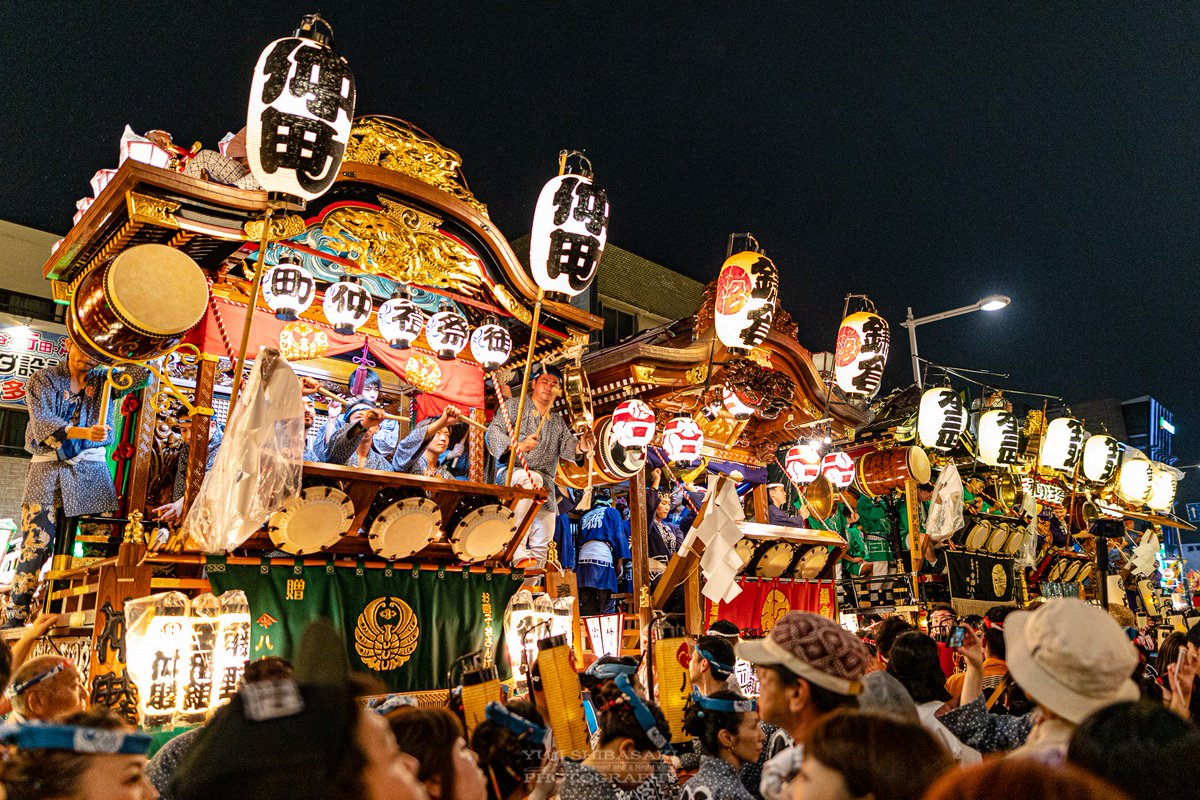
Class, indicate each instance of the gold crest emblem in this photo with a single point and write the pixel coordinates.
(423, 372)
(999, 580)
(774, 606)
(386, 634)
(299, 341)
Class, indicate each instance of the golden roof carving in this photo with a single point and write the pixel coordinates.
(391, 145)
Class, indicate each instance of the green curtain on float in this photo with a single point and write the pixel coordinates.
(407, 626)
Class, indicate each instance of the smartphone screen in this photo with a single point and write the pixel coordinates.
(957, 635)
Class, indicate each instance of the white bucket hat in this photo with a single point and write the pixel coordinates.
(1071, 657)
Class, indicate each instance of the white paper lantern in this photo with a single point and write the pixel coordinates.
(838, 468)
(941, 419)
(861, 354)
(400, 321)
(1101, 458)
(1136, 478)
(490, 345)
(633, 424)
(447, 333)
(570, 227)
(803, 464)
(233, 645)
(1062, 444)
(347, 305)
(289, 289)
(999, 438)
(1162, 487)
(157, 648)
(745, 303)
(300, 112)
(195, 682)
(735, 405)
(682, 439)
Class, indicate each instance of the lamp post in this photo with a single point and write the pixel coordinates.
(993, 302)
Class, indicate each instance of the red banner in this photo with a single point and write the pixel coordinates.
(761, 602)
(457, 382)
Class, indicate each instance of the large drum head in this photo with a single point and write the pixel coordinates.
(745, 550)
(774, 559)
(483, 533)
(615, 459)
(977, 537)
(1015, 540)
(405, 527)
(157, 289)
(1085, 572)
(998, 538)
(312, 521)
(919, 468)
(1071, 571)
(1057, 570)
(812, 562)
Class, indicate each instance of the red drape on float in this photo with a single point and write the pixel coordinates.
(457, 382)
(762, 602)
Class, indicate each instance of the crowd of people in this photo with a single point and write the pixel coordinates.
(1052, 702)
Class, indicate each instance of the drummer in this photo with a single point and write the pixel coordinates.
(876, 527)
(544, 439)
(777, 494)
(417, 454)
(68, 476)
(351, 445)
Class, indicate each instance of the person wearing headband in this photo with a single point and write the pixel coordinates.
(776, 514)
(512, 746)
(46, 688)
(711, 665)
(627, 759)
(91, 755)
(351, 445)
(725, 726)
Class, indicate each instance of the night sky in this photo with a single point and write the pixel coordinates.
(924, 154)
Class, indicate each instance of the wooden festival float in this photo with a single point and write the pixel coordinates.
(399, 216)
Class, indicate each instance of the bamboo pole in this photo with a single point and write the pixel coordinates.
(533, 330)
(259, 268)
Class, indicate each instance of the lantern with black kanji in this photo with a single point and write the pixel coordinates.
(347, 305)
(941, 419)
(447, 333)
(682, 439)
(1062, 444)
(490, 345)
(838, 468)
(288, 288)
(1101, 458)
(803, 464)
(570, 227)
(999, 437)
(633, 424)
(301, 109)
(861, 353)
(400, 321)
(745, 303)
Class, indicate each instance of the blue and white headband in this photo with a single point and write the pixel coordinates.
(515, 723)
(641, 712)
(716, 704)
(74, 738)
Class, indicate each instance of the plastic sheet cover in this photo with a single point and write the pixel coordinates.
(946, 510)
(258, 466)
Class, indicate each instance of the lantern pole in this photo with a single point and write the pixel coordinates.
(251, 307)
(512, 454)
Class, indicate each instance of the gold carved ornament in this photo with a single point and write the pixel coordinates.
(150, 210)
(423, 372)
(403, 244)
(386, 634)
(384, 143)
(284, 227)
(299, 341)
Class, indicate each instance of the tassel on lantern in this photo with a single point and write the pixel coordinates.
(358, 380)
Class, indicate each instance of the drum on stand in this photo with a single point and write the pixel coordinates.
(311, 521)
(978, 535)
(612, 462)
(883, 471)
(1015, 540)
(480, 529)
(403, 522)
(772, 559)
(811, 562)
(138, 305)
(1072, 570)
(745, 550)
(998, 538)
(1085, 572)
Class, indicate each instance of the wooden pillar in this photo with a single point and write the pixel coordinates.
(143, 446)
(477, 449)
(912, 503)
(206, 375)
(639, 544)
(109, 683)
(761, 502)
(693, 606)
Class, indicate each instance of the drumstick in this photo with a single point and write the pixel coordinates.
(462, 418)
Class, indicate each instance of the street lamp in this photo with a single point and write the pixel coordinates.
(993, 302)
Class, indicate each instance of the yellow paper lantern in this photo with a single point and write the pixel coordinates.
(1135, 480)
(1162, 487)
(745, 304)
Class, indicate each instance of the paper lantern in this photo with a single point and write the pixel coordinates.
(1162, 487)
(803, 464)
(862, 351)
(999, 438)
(1136, 478)
(633, 424)
(298, 120)
(347, 305)
(447, 333)
(400, 321)
(1062, 444)
(682, 439)
(1101, 458)
(941, 419)
(745, 304)
(157, 642)
(838, 468)
(490, 345)
(288, 288)
(735, 405)
(233, 645)
(195, 682)
(570, 227)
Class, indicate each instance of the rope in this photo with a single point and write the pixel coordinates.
(687, 498)
(512, 439)
(220, 321)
